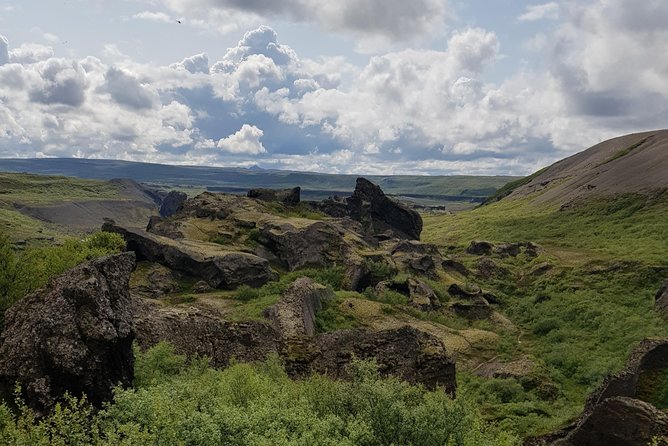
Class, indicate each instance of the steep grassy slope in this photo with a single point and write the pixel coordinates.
(588, 298)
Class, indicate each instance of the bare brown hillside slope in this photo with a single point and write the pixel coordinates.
(636, 163)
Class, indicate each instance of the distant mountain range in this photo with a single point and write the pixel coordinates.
(431, 189)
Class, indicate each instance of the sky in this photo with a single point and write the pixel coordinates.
(439, 87)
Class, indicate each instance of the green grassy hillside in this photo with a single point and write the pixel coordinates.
(581, 306)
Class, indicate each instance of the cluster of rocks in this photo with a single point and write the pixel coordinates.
(76, 336)
(480, 247)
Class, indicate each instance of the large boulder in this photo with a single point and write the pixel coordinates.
(75, 335)
(294, 315)
(619, 411)
(286, 196)
(410, 354)
(381, 217)
(317, 244)
(172, 203)
(619, 421)
(380, 214)
(208, 261)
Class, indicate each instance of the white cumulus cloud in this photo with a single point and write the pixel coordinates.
(245, 141)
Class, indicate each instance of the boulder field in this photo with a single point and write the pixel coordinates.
(75, 335)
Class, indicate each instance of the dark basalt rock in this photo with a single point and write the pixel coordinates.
(480, 248)
(408, 353)
(450, 265)
(320, 244)
(207, 205)
(417, 258)
(380, 214)
(419, 294)
(75, 335)
(172, 203)
(286, 196)
(382, 218)
(219, 268)
(619, 421)
(477, 310)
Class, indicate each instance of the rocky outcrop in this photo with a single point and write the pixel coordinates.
(155, 282)
(208, 261)
(417, 258)
(294, 315)
(172, 203)
(319, 244)
(288, 197)
(619, 421)
(619, 411)
(418, 293)
(382, 217)
(408, 353)
(484, 248)
(75, 335)
(380, 214)
(209, 205)
(479, 248)
(203, 332)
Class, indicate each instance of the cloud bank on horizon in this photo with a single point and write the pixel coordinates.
(582, 72)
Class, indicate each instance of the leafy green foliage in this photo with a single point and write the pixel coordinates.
(259, 405)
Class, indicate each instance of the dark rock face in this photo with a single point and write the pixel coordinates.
(319, 244)
(408, 353)
(619, 421)
(487, 269)
(286, 196)
(198, 331)
(75, 335)
(380, 214)
(219, 268)
(382, 218)
(419, 294)
(455, 266)
(294, 315)
(478, 310)
(172, 203)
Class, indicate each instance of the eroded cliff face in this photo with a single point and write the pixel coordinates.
(75, 335)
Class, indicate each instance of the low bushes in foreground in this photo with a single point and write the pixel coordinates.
(174, 403)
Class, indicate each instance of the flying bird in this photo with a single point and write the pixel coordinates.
(178, 21)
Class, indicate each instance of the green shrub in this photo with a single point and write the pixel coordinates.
(245, 293)
(258, 405)
(156, 364)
